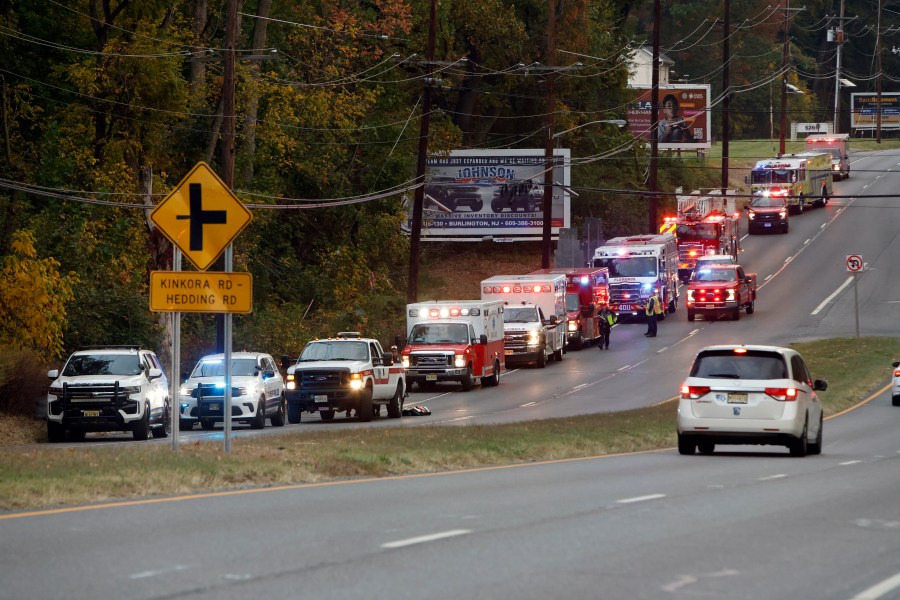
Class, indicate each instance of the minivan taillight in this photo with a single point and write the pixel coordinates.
(693, 392)
(783, 394)
(896, 372)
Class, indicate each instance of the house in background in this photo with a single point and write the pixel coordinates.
(640, 68)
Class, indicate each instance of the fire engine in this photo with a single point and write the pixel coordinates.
(587, 291)
(836, 145)
(534, 315)
(449, 340)
(638, 266)
(802, 179)
(704, 225)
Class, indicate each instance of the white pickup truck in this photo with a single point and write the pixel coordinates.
(346, 373)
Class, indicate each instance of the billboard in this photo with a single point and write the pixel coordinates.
(864, 111)
(683, 116)
(498, 194)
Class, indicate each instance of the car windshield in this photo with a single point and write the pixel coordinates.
(629, 266)
(335, 351)
(697, 231)
(715, 275)
(772, 176)
(766, 202)
(520, 315)
(103, 364)
(572, 302)
(439, 333)
(728, 364)
(215, 367)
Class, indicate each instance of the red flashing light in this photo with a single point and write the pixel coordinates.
(740, 351)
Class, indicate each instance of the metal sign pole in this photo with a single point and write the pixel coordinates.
(175, 376)
(229, 264)
(856, 299)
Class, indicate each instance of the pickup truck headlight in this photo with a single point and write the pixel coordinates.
(731, 295)
(405, 362)
(186, 390)
(534, 338)
(459, 361)
(55, 391)
(356, 382)
(130, 389)
(573, 325)
(782, 214)
(751, 215)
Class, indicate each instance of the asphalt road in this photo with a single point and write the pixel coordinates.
(747, 522)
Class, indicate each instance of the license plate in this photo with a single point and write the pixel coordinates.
(709, 305)
(431, 378)
(767, 224)
(91, 413)
(507, 352)
(215, 407)
(624, 307)
(737, 398)
(320, 398)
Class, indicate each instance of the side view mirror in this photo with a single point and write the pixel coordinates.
(154, 374)
(285, 362)
(748, 280)
(820, 385)
(54, 373)
(896, 364)
(378, 361)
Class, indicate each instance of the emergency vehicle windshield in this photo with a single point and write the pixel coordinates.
(103, 364)
(240, 367)
(766, 202)
(327, 350)
(520, 315)
(715, 275)
(439, 333)
(629, 266)
(697, 231)
(572, 302)
(772, 176)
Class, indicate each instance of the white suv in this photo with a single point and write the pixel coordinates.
(895, 390)
(114, 388)
(750, 395)
(257, 392)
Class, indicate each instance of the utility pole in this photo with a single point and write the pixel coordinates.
(548, 143)
(412, 290)
(654, 131)
(839, 38)
(726, 90)
(878, 79)
(784, 72)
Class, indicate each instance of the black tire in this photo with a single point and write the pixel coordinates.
(163, 430)
(259, 421)
(77, 435)
(364, 408)
(673, 304)
(141, 429)
(690, 316)
(294, 414)
(542, 359)
(185, 425)
(786, 228)
(492, 380)
(477, 206)
(815, 447)
(736, 314)
(557, 355)
(800, 202)
(395, 406)
(895, 400)
(706, 447)
(277, 419)
(686, 445)
(56, 433)
(467, 382)
(800, 446)
(327, 415)
(207, 424)
(750, 307)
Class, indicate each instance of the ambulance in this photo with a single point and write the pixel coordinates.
(835, 144)
(587, 291)
(534, 315)
(454, 340)
(640, 265)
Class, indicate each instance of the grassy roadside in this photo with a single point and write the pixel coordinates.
(31, 478)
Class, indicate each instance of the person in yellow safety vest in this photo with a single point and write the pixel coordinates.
(608, 318)
(653, 311)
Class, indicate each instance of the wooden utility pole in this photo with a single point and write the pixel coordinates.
(412, 290)
(548, 143)
(654, 131)
(784, 74)
(878, 74)
(726, 90)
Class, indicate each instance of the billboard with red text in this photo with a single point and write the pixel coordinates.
(683, 116)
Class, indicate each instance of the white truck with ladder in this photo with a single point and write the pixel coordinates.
(640, 265)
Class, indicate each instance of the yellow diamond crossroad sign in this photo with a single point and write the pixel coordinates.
(201, 216)
(210, 292)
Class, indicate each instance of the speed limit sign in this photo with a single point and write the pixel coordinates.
(854, 263)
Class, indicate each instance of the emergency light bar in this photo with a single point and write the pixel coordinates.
(445, 312)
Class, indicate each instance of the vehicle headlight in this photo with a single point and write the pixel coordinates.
(290, 382)
(573, 325)
(534, 338)
(242, 391)
(731, 294)
(782, 214)
(405, 361)
(55, 391)
(356, 382)
(130, 389)
(751, 215)
(459, 361)
(186, 390)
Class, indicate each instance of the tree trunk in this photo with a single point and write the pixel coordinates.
(248, 145)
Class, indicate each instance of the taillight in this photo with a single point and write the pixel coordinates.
(896, 372)
(693, 392)
(782, 394)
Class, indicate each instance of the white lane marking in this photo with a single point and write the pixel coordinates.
(788, 259)
(694, 332)
(832, 296)
(850, 462)
(823, 225)
(879, 590)
(529, 404)
(663, 349)
(682, 581)
(157, 572)
(640, 498)
(459, 419)
(746, 235)
(806, 242)
(623, 368)
(768, 277)
(771, 477)
(422, 539)
(578, 387)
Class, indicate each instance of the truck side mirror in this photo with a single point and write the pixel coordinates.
(377, 361)
(552, 320)
(285, 362)
(820, 385)
(482, 339)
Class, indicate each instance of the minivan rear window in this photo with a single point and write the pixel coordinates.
(728, 364)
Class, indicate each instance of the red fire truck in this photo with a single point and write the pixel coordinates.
(587, 291)
(704, 225)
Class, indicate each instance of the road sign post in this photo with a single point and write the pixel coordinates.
(855, 264)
